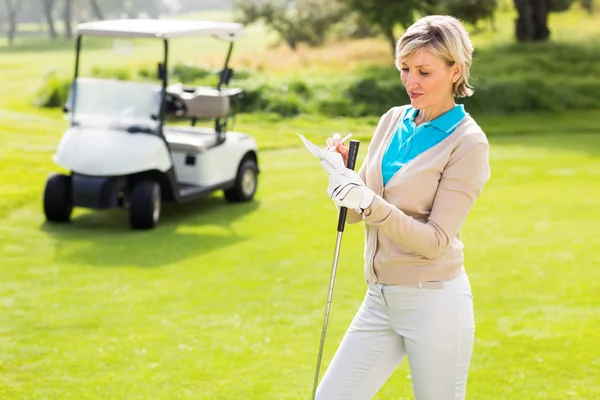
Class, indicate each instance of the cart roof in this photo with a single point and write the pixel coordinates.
(160, 28)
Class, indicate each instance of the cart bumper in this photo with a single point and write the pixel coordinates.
(97, 192)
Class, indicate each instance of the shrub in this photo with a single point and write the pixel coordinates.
(301, 88)
(240, 74)
(189, 74)
(148, 72)
(374, 96)
(284, 98)
(368, 95)
(53, 91)
(532, 94)
(284, 104)
(112, 73)
(507, 79)
(253, 97)
(337, 106)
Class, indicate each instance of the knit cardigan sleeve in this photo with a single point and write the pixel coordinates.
(352, 217)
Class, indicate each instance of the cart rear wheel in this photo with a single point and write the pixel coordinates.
(57, 198)
(246, 183)
(144, 205)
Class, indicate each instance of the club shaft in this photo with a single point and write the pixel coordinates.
(336, 255)
(352, 157)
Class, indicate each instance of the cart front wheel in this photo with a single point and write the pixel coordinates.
(144, 205)
(57, 198)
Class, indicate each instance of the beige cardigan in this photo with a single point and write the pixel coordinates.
(412, 228)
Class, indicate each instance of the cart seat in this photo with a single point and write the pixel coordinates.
(190, 139)
(204, 101)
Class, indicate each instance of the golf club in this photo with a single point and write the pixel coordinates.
(352, 155)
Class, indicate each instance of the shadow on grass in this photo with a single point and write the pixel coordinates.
(104, 239)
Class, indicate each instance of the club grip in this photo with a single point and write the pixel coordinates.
(352, 156)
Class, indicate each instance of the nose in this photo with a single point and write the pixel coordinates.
(412, 81)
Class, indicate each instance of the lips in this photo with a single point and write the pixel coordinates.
(414, 95)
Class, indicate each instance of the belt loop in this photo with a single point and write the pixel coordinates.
(383, 296)
(420, 284)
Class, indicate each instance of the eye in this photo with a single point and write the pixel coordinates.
(404, 69)
(424, 73)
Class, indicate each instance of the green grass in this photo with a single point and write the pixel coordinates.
(225, 301)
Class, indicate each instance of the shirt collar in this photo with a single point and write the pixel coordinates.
(410, 114)
(445, 122)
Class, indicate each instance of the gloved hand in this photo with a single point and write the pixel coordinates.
(333, 144)
(346, 189)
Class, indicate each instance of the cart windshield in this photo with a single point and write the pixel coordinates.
(115, 103)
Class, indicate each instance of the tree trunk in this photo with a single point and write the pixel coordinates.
(12, 30)
(588, 5)
(532, 23)
(12, 11)
(293, 43)
(96, 9)
(48, 6)
(133, 12)
(388, 32)
(68, 18)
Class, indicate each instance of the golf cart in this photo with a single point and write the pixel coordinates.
(120, 151)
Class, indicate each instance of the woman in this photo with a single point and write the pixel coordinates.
(426, 165)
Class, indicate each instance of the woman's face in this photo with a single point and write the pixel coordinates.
(428, 79)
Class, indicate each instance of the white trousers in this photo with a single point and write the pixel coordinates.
(434, 327)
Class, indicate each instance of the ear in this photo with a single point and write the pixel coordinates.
(456, 73)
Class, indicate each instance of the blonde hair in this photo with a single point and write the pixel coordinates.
(445, 37)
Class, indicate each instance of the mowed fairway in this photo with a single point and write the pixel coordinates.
(226, 301)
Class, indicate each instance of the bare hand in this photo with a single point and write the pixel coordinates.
(333, 144)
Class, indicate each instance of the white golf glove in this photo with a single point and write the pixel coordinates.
(346, 189)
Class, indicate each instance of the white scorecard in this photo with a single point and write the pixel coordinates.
(333, 158)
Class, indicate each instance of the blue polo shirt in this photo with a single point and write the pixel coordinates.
(410, 140)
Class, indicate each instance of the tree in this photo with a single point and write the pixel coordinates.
(355, 26)
(470, 11)
(48, 7)
(302, 21)
(67, 16)
(96, 9)
(588, 5)
(12, 9)
(132, 8)
(532, 23)
(111, 9)
(386, 14)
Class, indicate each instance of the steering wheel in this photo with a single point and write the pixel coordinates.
(175, 105)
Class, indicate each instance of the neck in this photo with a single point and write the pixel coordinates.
(430, 113)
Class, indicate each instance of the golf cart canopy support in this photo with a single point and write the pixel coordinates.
(160, 29)
(164, 30)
